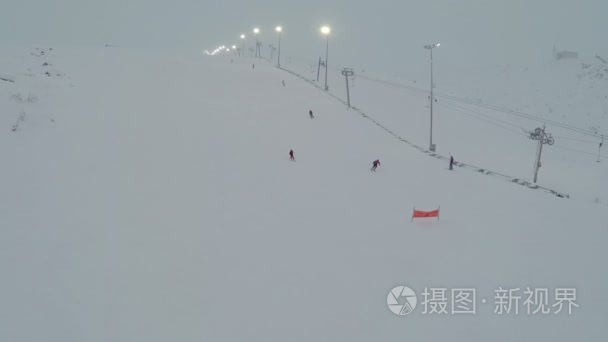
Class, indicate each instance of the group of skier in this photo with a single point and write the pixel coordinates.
(375, 163)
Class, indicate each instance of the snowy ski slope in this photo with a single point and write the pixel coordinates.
(150, 197)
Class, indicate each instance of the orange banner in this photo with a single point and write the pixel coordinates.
(420, 213)
(423, 214)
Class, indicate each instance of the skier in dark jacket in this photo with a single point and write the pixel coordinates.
(452, 161)
(375, 164)
(291, 157)
(310, 113)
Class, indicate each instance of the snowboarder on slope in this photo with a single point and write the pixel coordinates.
(291, 157)
(310, 113)
(376, 163)
(452, 161)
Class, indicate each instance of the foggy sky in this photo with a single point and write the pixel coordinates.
(379, 33)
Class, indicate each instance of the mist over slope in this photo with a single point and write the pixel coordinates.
(151, 197)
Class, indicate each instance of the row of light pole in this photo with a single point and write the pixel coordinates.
(539, 133)
(325, 30)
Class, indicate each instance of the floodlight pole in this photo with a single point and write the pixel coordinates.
(431, 145)
(243, 45)
(256, 32)
(326, 56)
(279, 56)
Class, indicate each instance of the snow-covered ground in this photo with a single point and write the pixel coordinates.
(150, 197)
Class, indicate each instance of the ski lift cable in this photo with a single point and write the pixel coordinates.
(487, 116)
(579, 140)
(483, 119)
(578, 151)
(514, 131)
(492, 107)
